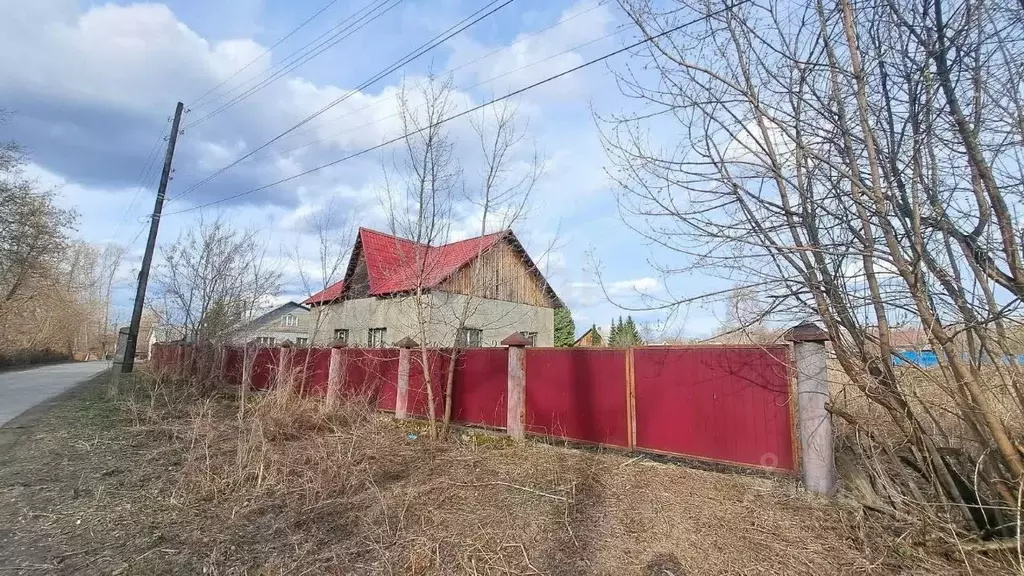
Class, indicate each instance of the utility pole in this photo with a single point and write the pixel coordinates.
(147, 258)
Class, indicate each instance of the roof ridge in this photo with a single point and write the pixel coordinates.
(498, 233)
(429, 246)
(393, 236)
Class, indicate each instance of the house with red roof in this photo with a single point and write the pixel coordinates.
(473, 292)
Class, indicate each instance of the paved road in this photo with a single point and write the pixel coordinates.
(23, 389)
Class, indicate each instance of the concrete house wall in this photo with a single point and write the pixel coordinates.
(495, 318)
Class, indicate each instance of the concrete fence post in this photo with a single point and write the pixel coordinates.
(284, 367)
(515, 417)
(405, 346)
(815, 424)
(335, 375)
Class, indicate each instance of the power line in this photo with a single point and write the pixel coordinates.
(470, 110)
(141, 180)
(420, 51)
(456, 69)
(306, 56)
(198, 101)
(618, 30)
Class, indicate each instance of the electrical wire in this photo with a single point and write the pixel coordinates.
(468, 111)
(141, 180)
(197, 102)
(618, 30)
(418, 52)
(303, 58)
(452, 71)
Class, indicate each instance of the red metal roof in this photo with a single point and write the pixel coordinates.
(325, 295)
(398, 265)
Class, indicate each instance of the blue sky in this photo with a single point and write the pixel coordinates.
(91, 85)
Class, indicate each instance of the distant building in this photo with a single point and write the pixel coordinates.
(289, 322)
(591, 338)
(162, 334)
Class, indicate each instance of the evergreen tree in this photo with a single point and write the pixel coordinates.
(595, 336)
(631, 335)
(565, 328)
(624, 333)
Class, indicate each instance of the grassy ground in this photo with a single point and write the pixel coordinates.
(170, 481)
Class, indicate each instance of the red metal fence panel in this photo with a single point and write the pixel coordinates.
(264, 368)
(315, 369)
(727, 404)
(481, 387)
(578, 394)
(372, 373)
(233, 365)
(437, 361)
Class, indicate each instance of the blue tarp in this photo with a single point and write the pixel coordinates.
(928, 358)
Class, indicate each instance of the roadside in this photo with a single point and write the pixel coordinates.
(169, 482)
(22, 389)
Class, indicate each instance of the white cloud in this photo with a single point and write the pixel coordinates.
(129, 56)
(96, 80)
(639, 285)
(542, 55)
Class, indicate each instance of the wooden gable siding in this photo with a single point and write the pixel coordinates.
(501, 274)
(359, 285)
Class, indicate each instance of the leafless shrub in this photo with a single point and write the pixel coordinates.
(212, 278)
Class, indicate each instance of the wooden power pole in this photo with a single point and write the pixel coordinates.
(147, 258)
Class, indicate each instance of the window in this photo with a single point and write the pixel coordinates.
(265, 340)
(341, 335)
(301, 341)
(469, 338)
(531, 336)
(289, 320)
(375, 337)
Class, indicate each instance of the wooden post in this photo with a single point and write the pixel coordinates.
(190, 355)
(223, 363)
(248, 359)
(515, 417)
(335, 375)
(630, 399)
(179, 361)
(284, 367)
(405, 346)
(815, 425)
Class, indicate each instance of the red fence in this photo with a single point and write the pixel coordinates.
(578, 394)
(723, 403)
(728, 404)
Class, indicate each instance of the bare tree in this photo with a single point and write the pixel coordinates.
(46, 280)
(212, 278)
(502, 198)
(34, 231)
(427, 194)
(333, 232)
(859, 165)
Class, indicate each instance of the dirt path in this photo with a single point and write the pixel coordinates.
(161, 484)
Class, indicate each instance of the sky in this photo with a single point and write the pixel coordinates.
(90, 87)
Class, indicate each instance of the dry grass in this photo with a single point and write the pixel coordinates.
(175, 482)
